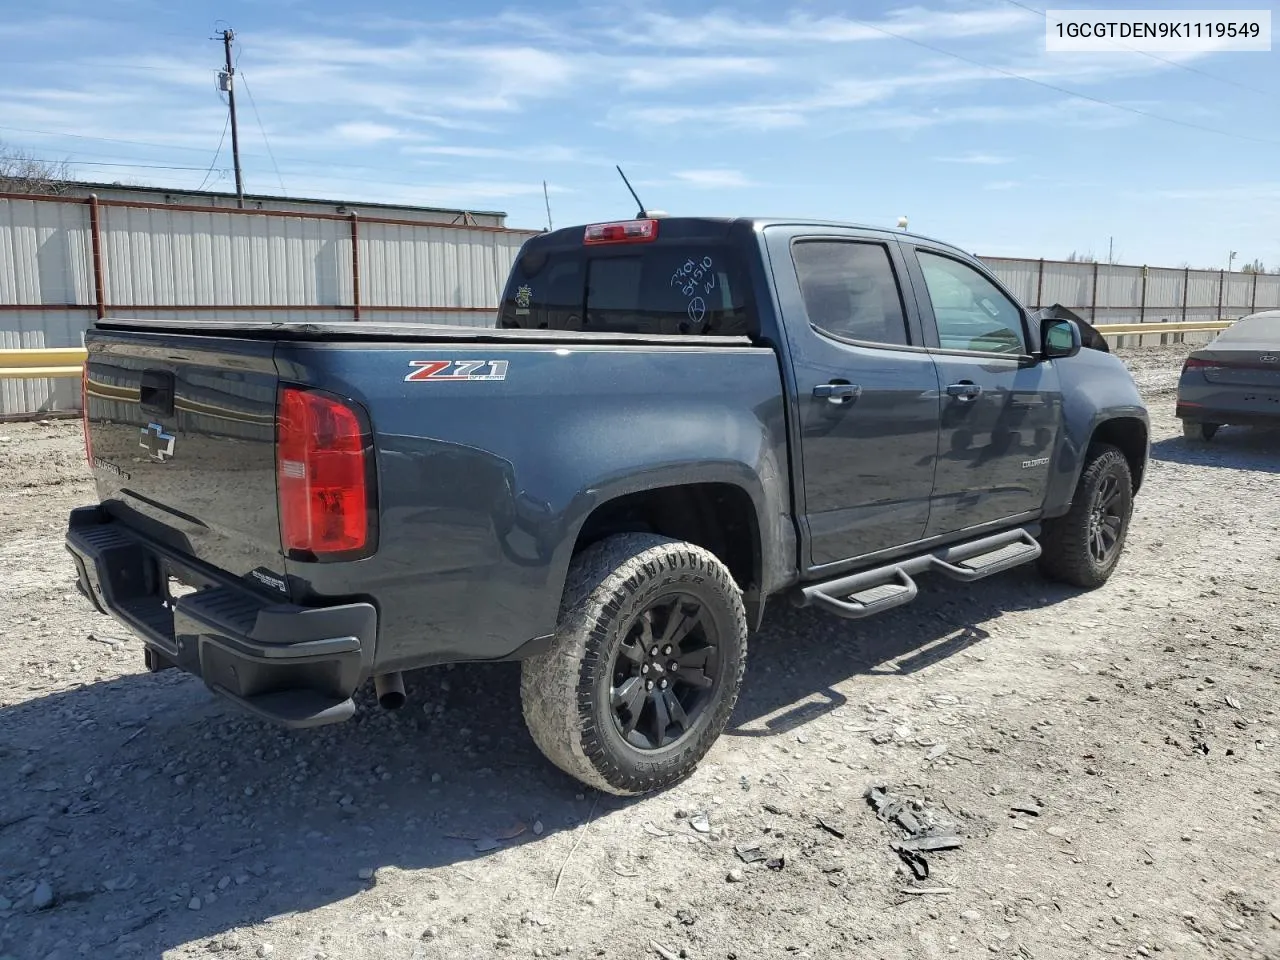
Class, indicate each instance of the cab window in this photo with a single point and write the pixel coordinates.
(970, 311)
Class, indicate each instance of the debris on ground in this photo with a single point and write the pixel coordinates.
(830, 828)
(749, 852)
(926, 891)
(923, 831)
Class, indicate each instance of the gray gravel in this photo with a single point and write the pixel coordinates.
(1139, 720)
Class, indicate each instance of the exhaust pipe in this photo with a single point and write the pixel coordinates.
(390, 690)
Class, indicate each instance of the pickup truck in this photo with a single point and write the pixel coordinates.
(671, 423)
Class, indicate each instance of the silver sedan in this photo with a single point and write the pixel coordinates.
(1234, 379)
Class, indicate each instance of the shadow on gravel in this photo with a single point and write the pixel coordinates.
(1240, 448)
(801, 654)
(135, 796)
(147, 792)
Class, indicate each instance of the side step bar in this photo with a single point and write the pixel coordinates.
(869, 592)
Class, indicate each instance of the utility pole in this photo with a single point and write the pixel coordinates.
(228, 84)
(1111, 246)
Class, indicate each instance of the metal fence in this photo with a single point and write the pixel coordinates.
(65, 262)
(1114, 293)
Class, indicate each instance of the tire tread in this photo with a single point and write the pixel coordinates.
(554, 695)
(1064, 540)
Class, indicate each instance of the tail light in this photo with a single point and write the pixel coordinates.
(324, 477)
(623, 231)
(84, 411)
(1197, 363)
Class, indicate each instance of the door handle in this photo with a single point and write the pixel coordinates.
(837, 392)
(964, 391)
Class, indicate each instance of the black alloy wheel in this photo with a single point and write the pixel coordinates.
(1106, 519)
(664, 672)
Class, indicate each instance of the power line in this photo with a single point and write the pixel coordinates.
(208, 173)
(140, 166)
(1151, 56)
(267, 143)
(327, 164)
(372, 181)
(1063, 90)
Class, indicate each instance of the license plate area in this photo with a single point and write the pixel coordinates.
(176, 582)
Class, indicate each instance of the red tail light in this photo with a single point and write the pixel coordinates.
(84, 411)
(324, 477)
(623, 231)
(1196, 363)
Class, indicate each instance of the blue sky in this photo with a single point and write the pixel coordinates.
(861, 111)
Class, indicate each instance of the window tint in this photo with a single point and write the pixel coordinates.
(850, 290)
(673, 289)
(971, 313)
(1261, 327)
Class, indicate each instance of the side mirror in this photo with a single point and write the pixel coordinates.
(1059, 338)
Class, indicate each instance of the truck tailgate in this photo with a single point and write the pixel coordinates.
(182, 430)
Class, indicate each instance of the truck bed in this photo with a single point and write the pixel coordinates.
(355, 332)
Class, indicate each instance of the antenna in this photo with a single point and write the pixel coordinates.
(633, 193)
(547, 197)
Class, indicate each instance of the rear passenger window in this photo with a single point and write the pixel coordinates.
(850, 290)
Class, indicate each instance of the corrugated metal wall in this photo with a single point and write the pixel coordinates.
(166, 262)
(1114, 293)
(44, 261)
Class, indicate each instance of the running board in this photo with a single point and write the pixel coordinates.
(868, 592)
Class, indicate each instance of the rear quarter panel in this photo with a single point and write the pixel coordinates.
(484, 485)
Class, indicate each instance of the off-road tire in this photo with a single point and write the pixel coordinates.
(1197, 432)
(1065, 541)
(565, 691)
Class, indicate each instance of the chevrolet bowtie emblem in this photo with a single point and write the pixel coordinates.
(157, 443)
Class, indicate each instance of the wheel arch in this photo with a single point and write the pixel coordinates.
(719, 515)
(1131, 437)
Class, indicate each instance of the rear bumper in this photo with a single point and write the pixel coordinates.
(297, 666)
(1235, 418)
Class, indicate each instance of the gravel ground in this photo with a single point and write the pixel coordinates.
(1135, 725)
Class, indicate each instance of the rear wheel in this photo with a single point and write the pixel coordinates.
(1199, 432)
(645, 666)
(1083, 546)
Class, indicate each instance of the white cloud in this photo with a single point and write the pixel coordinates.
(713, 179)
(545, 153)
(1252, 192)
(976, 158)
(363, 132)
(720, 29)
(672, 71)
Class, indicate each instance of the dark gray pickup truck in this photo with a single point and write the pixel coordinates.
(671, 422)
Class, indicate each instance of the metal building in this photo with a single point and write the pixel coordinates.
(115, 251)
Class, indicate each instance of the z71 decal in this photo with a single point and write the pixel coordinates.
(457, 370)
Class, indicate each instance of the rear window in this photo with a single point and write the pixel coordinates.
(1263, 326)
(694, 290)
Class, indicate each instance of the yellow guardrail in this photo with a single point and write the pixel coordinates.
(1178, 326)
(40, 362)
